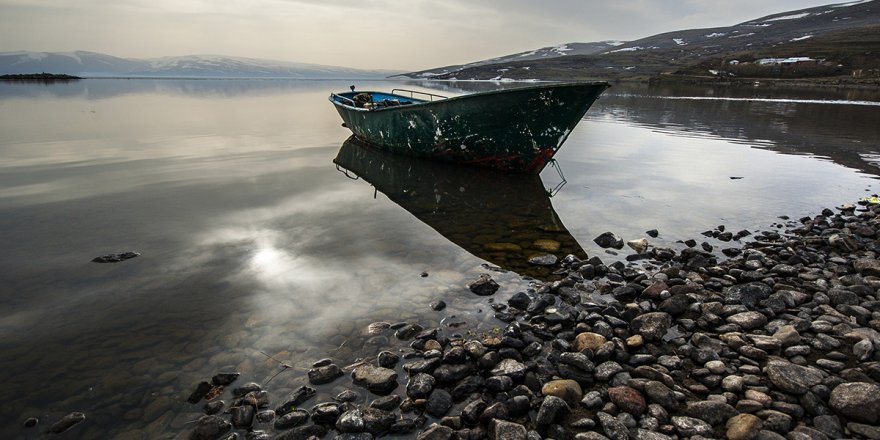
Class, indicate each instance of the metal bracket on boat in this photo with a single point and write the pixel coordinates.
(555, 190)
(345, 171)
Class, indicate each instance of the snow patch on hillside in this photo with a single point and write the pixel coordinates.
(790, 17)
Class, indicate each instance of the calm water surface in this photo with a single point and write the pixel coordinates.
(253, 240)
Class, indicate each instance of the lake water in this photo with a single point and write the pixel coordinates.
(254, 241)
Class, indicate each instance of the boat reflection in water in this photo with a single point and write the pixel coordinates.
(505, 219)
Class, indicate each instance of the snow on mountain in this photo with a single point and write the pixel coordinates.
(91, 64)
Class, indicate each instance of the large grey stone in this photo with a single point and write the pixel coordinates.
(857, 401)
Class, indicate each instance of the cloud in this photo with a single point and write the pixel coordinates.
(400, 34)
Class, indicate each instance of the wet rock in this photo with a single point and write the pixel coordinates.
(224, 379)
(377, 380)
(438, 305)
(743, 427)
(350, 421)
(242, 416)
(509, 367)
(661, 394)
(326, 413)
(378, 422)
(67, 422)
(304, 433)
(116, 258)
(652, 326)
(606, 370)
(447, 373)
(246, 388)
(439, 403)
(201, 390)
(483, 286)
(470, 414)
(30, 422)
(857, 401)
(266, 416)
(792, 378)
(387, 359)
(300, 395)
(213, 407)
(640, 245)
(324, 375)
(608, 240)
(210, 428)
(420, 385)
(866, 431)
(291, 419)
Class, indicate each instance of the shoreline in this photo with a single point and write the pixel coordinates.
(779, 340)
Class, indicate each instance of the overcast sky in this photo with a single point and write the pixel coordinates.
(392, 34)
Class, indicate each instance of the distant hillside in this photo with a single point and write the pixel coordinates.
(537, 54)
(91, 64)
(842, 38)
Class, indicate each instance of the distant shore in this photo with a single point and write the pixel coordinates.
(39, 77)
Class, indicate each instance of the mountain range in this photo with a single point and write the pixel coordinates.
(840, 38)
(92, 64)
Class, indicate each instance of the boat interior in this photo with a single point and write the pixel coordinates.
(375, 100)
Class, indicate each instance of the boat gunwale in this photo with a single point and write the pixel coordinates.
(469, 95)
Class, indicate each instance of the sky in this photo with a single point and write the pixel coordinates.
(372, 34)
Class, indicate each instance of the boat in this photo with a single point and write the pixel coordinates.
(503, 218)
(517, 130)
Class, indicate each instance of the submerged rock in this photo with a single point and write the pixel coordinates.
(67, 422)
(115, 258)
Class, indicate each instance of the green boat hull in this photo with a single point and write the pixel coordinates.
(514, 130)
(500, 217)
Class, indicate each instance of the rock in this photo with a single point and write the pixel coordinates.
(377, 380)
(300, 395)
(866, 431)
(420, 385)
(748, 320)
(377, 421)
(588, 340)
(565, 389)
(792, 378)
(552, 408)
(867, 266)
(304, 433)
(69, 421)
(470, 414)
(439, 403)
(652, 326)
(224, 379)
(711, 411)
(293, 418)
(503, 430)
(509, 367)
(747, 294)
(543, 260)
(787, 336)
(628, 399)
(31, 422)
(606, 370)
(547, 245)
(743, 427)
(115, 258)
(614, 428)
(325, 374)
(438, 305)
(326, 413)
(242, 417)
(608, 240)
(210, 428)
(266, 416)
(689, 426)
(653, 233)
(483, 286)
(640, 245)
(661, 394)
(387, 359)
(436, 432)
(201, 390)
(350, 421)
(857, 401)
